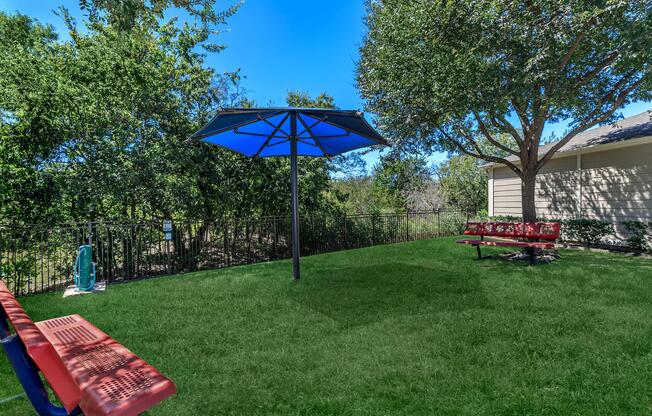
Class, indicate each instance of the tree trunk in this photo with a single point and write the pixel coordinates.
(529, 208)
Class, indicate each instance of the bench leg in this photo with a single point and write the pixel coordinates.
(29, 378)
(532, 256)
(477, 247)
(4, 325)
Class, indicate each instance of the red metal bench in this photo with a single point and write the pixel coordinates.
(87, 370)
(521, 234)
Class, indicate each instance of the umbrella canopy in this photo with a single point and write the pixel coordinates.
(265, 132)
(269, 132)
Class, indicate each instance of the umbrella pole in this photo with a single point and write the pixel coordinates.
(295, 196)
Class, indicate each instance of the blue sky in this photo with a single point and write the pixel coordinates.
(283, 45)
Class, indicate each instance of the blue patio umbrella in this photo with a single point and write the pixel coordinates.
(293, 132)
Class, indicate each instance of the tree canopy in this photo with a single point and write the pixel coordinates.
(463, 183)
(442, 74)
(94, 127)
(396, 178)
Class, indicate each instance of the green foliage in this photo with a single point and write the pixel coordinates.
(445, 75)
(506, 218)
(95, 127)
(427, 63)
(452, 222)
(359, 196)
(18, 272)
(463, 183)
(33, 101)
(586, 231)
(125, 14)
(303, 100)
(637, 234)
(396, 175)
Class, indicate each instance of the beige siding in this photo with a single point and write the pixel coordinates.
(507, 192)
(616, 185)
(556, 190)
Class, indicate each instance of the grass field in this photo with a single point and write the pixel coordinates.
(417, 328)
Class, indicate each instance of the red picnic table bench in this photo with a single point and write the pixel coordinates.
(88, 371)
(528, 235)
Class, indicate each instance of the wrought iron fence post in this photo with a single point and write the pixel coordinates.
(227, 252)
(275, 243)
(90, 232)
(168, 257)
(438, 224)
(345, 241)
(373, 229)
(407, 225)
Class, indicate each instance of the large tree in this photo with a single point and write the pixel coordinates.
(398, 177)
(94, 127)
(442, 74)
(463, 183)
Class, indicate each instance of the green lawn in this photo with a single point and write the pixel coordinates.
(417, 328)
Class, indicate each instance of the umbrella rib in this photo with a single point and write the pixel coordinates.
(246, 133)
(334, 136)
(281, 142)
(222, 130)
(276, 129)
(309, 130)
(319, 120)
(324, 120)
(305, 141)
(359, 133)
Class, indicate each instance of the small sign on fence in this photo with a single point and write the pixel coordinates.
(167, 229)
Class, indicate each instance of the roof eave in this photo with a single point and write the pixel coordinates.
(587, 149)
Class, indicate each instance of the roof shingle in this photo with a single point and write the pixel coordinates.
(629, 128)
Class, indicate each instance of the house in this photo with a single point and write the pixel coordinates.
(603, 173)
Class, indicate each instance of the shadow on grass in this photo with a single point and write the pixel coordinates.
(354, 296)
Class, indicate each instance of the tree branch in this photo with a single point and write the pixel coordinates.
(470, 139)
(571, 50)
(605, 98)
(522, 116)
(501, 123)
(538, 124)
(608, 60)
(493, 141)
(578, 40)
(586, 124)
(480, 154)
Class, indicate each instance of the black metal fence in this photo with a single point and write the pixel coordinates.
(39, 258)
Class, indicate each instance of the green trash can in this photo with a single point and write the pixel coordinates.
(85, 269)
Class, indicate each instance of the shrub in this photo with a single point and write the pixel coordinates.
(482, 215)
(18, 273)
(586, 231)
(451, 223)
(637, 234)
(505, 218)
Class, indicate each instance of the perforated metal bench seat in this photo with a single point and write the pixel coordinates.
(521, 233)
(534, 244)
(112, 379)
(86, 369)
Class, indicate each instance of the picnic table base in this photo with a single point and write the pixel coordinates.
(72, 290)
(540, 257)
